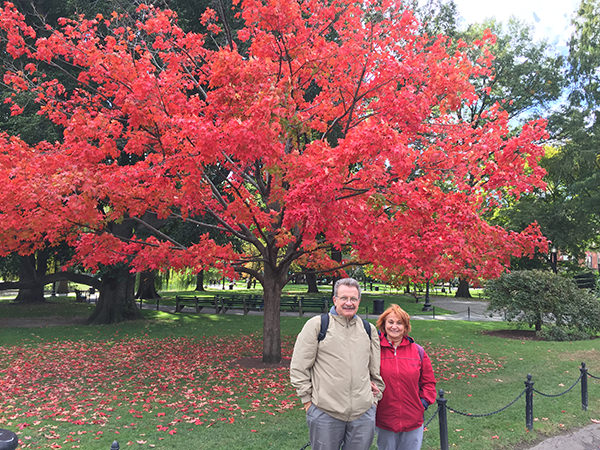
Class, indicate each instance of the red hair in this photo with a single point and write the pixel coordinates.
(400, 313)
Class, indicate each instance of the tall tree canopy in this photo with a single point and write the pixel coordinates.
(568, 210)
(336, 126)
(575, 169)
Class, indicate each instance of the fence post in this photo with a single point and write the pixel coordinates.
(8, 440)
(114, 446)
(443, 419)
(468, 312)
(529, 403)
(584, 387)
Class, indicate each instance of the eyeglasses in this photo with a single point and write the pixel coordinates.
(348, 299)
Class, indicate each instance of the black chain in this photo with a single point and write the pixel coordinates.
(488, 414)
(431, 418)
(426, 424)
(562, 393)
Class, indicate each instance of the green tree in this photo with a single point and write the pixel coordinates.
(568, 210)
(576, 168)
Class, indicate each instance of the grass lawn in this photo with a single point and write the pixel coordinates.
(170, 382)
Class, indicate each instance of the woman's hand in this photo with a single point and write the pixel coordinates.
(375, 390)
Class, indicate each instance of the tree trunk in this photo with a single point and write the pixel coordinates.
(147, 289)
(116, 301)
(32, 269)
(336, 255)
(311, 280)
(463, 289)
(272, 287)
(62, 287)
(200, 281)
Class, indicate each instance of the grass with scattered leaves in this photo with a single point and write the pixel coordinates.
(170, 382)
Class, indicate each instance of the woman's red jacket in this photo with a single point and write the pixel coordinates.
(408, 379)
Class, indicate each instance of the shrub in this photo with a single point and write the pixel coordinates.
(537, 297)
(556, 333)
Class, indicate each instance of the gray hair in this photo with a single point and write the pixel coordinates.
(351, 282)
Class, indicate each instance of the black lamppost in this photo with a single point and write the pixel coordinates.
(427, 306)
(554, 259)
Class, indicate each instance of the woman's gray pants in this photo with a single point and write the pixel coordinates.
(408, 440)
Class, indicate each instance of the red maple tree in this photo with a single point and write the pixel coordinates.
(336, 125)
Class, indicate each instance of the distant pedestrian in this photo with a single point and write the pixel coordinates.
(409, 384)
(337, 377)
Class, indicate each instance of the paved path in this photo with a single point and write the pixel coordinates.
(586, 438)
(463, 310)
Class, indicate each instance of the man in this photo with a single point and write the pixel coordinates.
(337, 378)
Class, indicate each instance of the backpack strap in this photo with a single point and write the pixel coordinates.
(421, 351)
(367, 326)
(325, 326)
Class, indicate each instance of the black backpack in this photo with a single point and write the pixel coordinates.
(325, 325)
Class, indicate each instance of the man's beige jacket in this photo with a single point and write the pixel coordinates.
(336, 373)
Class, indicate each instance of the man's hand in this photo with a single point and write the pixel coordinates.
(306, 406)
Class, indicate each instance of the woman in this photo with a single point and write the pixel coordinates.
(409, 384)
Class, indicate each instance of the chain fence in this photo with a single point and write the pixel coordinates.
(527, 392)
(442, 411)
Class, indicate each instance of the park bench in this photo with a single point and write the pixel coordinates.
(304, 304)
(313, 304)
(196, 302)
(80, 296)
(245, 303)
(288, 303)
(585, 280)
(85, 296)
(141, 300)
(417, 295)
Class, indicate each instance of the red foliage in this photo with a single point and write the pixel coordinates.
(340, 126)
(457, 363)
(353, 140)
(177, 381)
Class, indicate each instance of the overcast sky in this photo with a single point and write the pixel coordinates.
(551, 19)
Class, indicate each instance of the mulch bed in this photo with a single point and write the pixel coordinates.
(252, 362)
(522, 335)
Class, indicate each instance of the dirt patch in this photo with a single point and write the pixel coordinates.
(522, 335)
(252, 362)
(40, 322)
